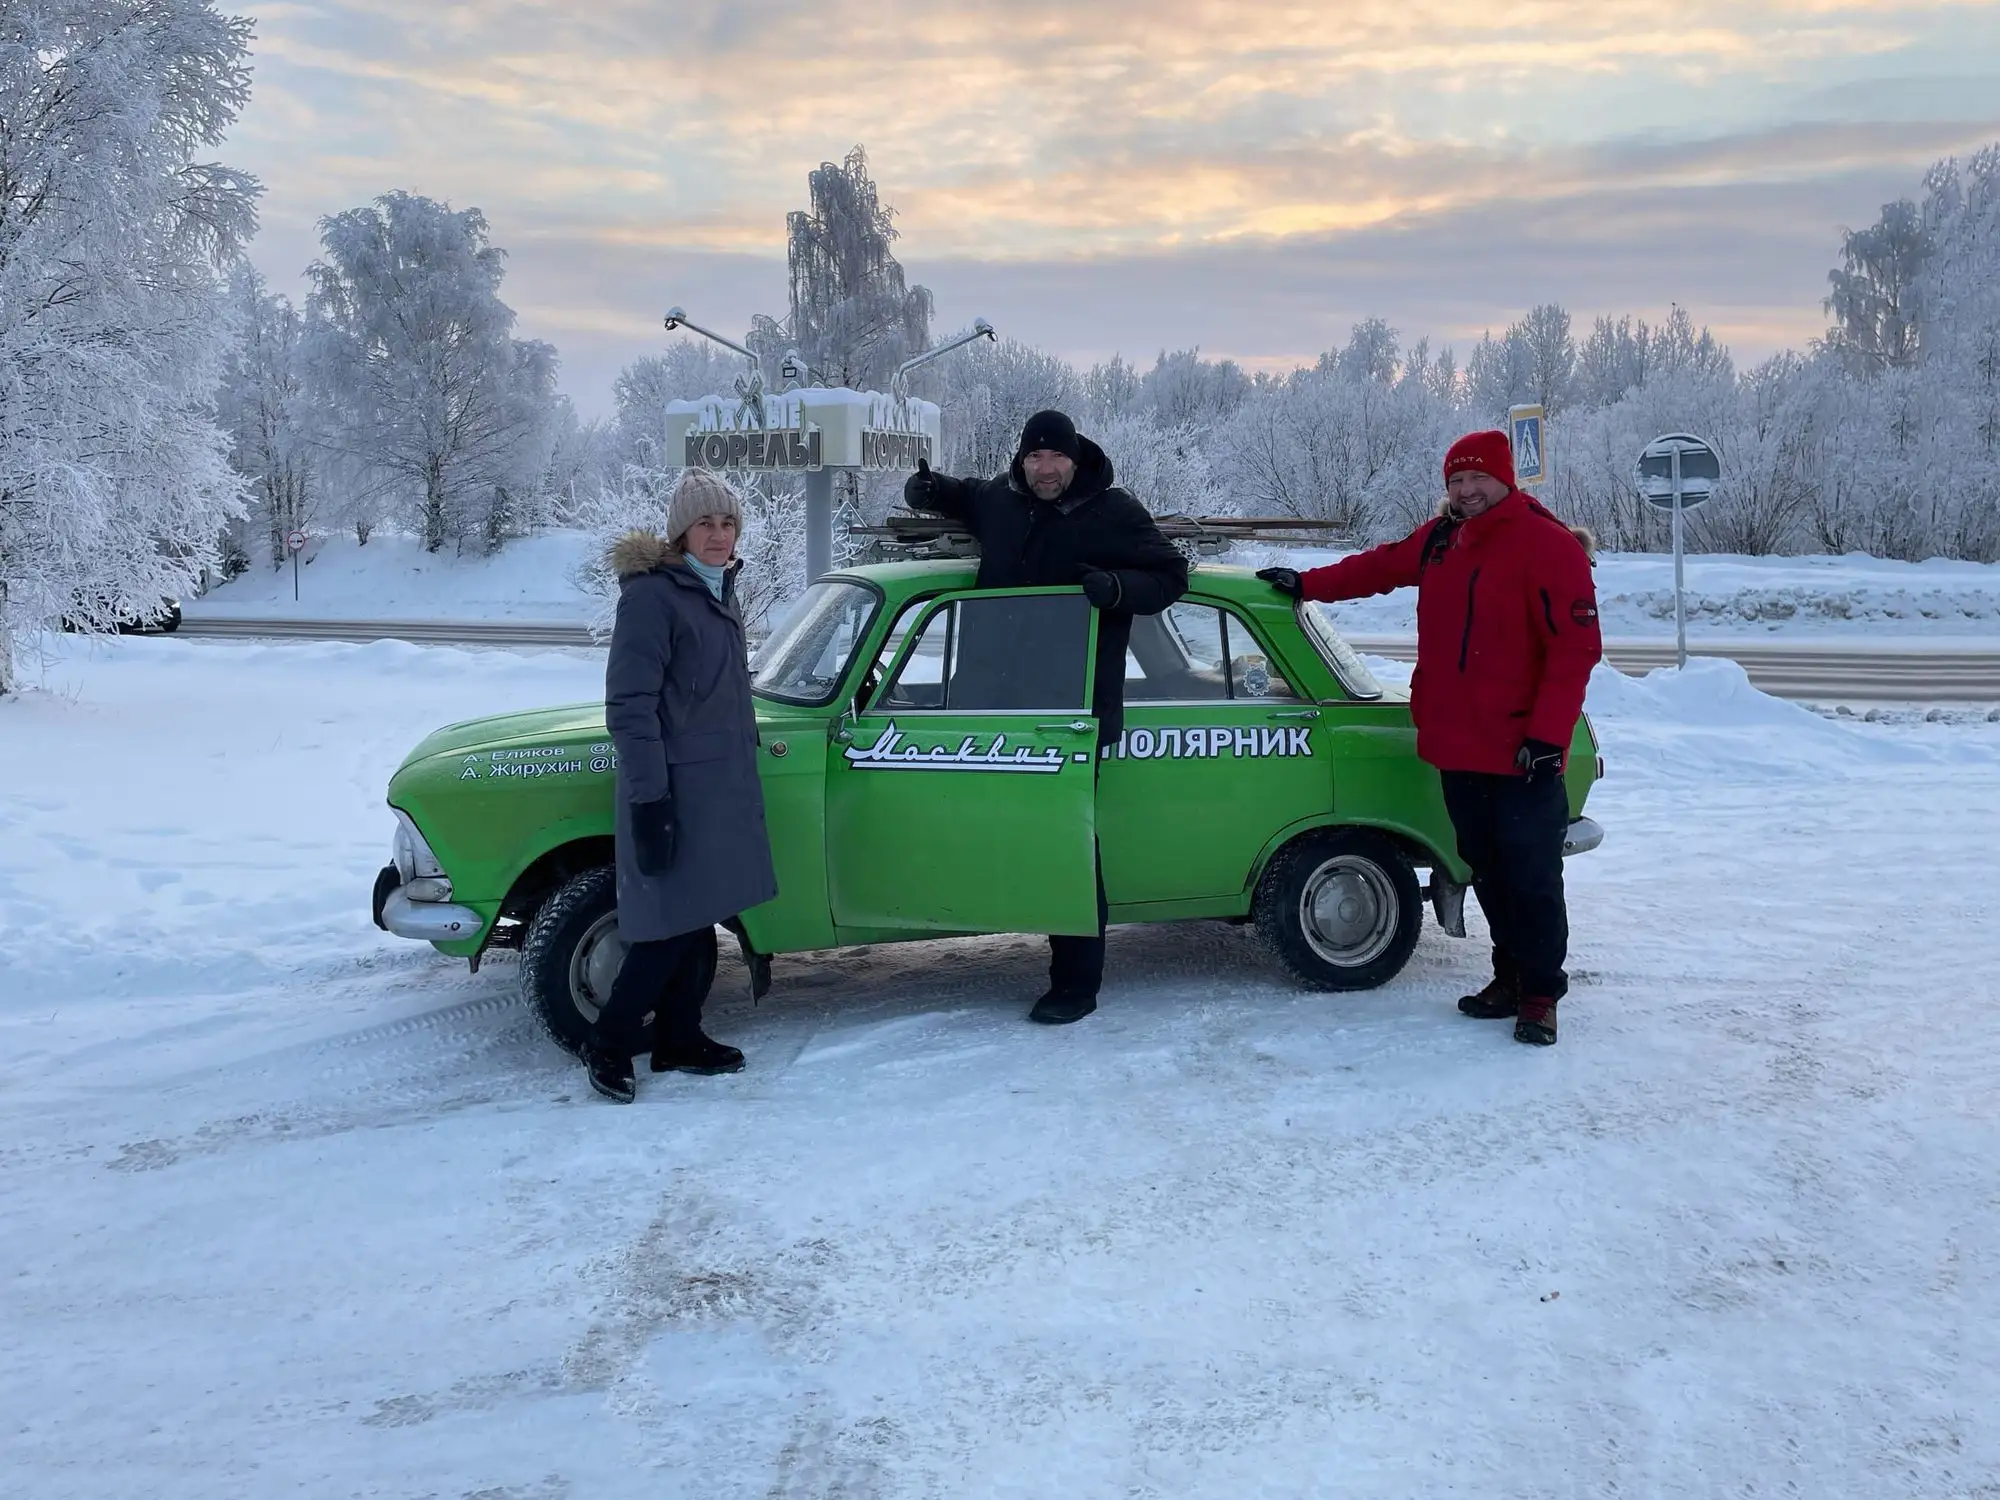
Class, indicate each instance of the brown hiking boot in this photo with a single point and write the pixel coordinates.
(1537, 1023)
(1500, 998)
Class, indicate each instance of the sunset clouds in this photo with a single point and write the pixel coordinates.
(1127, 175)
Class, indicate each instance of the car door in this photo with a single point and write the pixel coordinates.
(1219, 753)
(963, 797)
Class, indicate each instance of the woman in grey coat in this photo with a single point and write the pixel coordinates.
(691, 843)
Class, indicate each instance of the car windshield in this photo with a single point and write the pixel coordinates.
(805, 658)
(1345, 661)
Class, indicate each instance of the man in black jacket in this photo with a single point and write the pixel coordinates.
(1056, 518)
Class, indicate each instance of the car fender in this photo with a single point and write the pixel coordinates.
(1421, 851)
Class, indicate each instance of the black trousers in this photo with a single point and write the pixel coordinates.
(1076, 964)
(1511, 831)
(670, 978)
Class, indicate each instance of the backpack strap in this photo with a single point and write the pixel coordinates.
(1438, 542)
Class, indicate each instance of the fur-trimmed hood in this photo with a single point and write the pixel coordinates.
(641, 551)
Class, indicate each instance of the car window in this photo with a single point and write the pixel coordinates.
(1345, 662)
(892, 643)
(804, 659)
(1176, 656)
(1252, 673)
(1197, 653)
(988, 654)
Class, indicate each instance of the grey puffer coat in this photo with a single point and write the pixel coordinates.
(677, 703)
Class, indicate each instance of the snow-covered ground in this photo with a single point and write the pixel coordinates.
(538, 579)
(534, 578)
(294, 1208)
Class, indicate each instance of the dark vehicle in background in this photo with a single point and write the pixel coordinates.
(165, 619)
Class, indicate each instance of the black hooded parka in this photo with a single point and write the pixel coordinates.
(1028, 542)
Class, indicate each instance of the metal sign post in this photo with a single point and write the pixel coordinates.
(808, 430)
(811, 432)
(1677, 472)
(295, 543)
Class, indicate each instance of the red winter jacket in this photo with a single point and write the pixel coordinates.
(1506, 629)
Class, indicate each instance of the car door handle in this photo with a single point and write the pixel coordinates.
(1074, 726)
(1295, 713)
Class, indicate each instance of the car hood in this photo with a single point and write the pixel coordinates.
(501, 731)
(581, 723)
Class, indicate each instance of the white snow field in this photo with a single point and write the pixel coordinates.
(293, 1208)
(536, 579)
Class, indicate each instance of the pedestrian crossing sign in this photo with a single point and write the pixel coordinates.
(1528, 432)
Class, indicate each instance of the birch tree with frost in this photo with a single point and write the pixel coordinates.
(435, 412)
(114, 479)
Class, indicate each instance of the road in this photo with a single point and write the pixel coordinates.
(1812, 670)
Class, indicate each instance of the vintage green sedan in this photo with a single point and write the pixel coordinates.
(931, 768)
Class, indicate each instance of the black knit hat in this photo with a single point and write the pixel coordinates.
(1053, 431)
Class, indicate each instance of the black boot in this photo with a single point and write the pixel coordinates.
(610, 1070)
(1500, 998)
(695, 1053)
(1537, 1026)
(1060, 1007)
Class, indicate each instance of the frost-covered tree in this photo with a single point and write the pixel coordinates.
(1182, 388)
(853, 316)
(987, 392)
(688, 369)
(264, 410)
(1112, 389)
(438, 415)
(114, 480)
(1875, 304)
(1355, 440)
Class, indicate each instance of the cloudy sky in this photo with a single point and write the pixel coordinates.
(1099, 176)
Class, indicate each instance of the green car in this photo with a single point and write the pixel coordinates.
(932, 768)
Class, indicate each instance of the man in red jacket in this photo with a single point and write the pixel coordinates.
(1507, 635)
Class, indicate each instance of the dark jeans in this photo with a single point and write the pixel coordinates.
(1511, 831)
(669, 978)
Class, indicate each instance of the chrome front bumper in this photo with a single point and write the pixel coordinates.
(428, 921)
(1584, 835)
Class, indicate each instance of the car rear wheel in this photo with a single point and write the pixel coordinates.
(1341, 908)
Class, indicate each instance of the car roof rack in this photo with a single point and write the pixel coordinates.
(904, 536)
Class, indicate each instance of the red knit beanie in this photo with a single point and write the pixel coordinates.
(1488, 452)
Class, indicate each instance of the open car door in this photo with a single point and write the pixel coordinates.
(962, 798)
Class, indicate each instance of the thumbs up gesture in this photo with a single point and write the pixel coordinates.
(920, 489)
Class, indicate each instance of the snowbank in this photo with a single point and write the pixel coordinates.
(1707, 720)
(533, 580)
(1749, 597)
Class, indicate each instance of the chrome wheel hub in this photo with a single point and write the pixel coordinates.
(595, 965)
(1348, 911)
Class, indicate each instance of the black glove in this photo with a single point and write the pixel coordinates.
(1538, 757)
(1101, 588)
(1285, 580)
(653, 836)
(920, 489)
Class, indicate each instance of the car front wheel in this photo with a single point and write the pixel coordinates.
(1341, 908)
(572, 954)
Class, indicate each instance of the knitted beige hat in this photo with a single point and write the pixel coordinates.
(699, 494)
